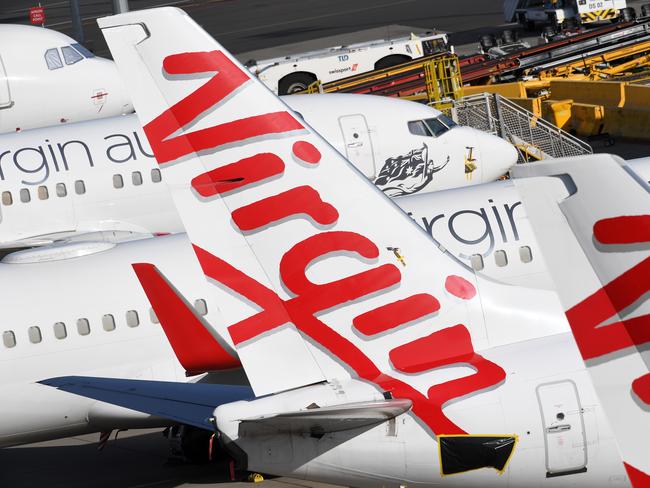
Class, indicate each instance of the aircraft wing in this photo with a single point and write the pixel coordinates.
(312, 266)
(596, 242)
(318, 421)
(187, 403)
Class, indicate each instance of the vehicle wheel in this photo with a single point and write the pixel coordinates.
(548, 31)
(645, 10)
(487, 41)
(391, 60)
(295, 82)
(521, 19)
(628, 14)
(508, 36)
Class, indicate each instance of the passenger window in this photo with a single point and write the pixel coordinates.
(132, 319)
(476, 261)
(7, 199)
(34, 334)
(9, 339)
(136, 178)
(25, 197)
(82, 50)
(418, 128)
(108, 322)
(500, 258)
(436, 127)
(60, 331)
(201, 307)
(43, 194)
(525, 254)
(53, 59)
(61, 190)
(153, 316)
(70, 55)
(156, 177)
(79, 187)
(118, 182)
(83, 327)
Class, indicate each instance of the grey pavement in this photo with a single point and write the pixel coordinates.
(137, 459)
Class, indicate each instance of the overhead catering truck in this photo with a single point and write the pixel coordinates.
(565, 13)
(290, 74)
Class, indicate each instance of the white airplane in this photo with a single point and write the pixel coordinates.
(375, 359)
(48, 78)
(599, 258)
(101, 175)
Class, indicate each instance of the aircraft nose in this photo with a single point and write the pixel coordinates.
(497, 154)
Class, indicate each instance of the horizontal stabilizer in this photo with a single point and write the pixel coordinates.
(318, 421)
(187, 403)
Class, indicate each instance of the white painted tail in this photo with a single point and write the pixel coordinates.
(319, 275)
(600, 262)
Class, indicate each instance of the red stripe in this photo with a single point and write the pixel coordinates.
(638, 478)
(623, 291)
(195, 347)
(237, 175)
(628, 229)
(641, 386)
(227, 79)
(302, 200)
(396, 313)
(429, 353)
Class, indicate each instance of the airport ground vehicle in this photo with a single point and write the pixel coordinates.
(286, 75)
(563, 12)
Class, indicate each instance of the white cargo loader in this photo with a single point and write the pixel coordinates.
(562, 12)
(285, 75)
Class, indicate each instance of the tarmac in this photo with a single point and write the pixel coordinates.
(137, 459)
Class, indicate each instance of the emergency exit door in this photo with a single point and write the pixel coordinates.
(5, 93)
(564, 428)
(358, 145)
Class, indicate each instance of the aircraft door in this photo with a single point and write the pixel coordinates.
(358, 145)
(564, 428)
(5, 93)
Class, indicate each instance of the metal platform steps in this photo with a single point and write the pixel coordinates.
(534, 137)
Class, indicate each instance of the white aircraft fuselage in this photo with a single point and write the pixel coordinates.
(48, 79)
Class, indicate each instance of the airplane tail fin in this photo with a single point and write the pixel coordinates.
(318, 276)
(597, 246)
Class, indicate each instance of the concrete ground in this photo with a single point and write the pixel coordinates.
(137, 459)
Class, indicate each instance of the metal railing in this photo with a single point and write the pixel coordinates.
(534, 137)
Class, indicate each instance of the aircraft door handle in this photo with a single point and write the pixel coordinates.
(558, 428)
(355, 144)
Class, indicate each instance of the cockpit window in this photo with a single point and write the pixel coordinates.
(436, 127)
(418, 128)
(433, 127)
(86, 53)
(448, 121)
(70, 55)
(53, 59)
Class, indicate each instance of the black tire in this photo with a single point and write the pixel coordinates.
(521, 19)
(570, 23)
(645, 10)
(295, 82)
(488, 41)
(508, 36)
(548, 31)
(391, 60)
(628, 14)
